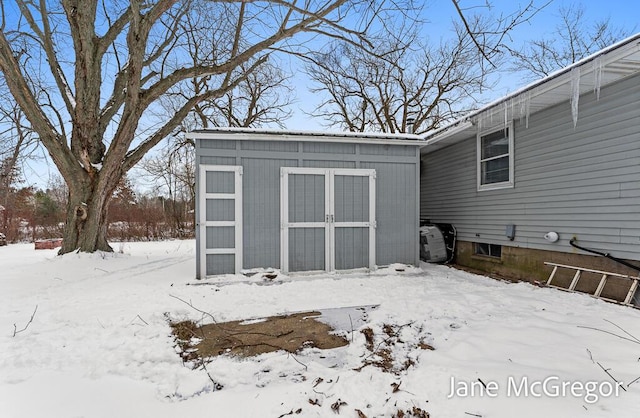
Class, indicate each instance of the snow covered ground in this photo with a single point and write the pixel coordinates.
(99, 344)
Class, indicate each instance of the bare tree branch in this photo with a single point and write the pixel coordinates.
(381, 91)
(573, 38)
(15, 328)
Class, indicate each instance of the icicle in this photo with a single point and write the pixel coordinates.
(527, 109)
(575, 94)
(506, 114)
(597, 76)
(513, 112)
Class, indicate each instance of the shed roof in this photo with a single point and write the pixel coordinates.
(587, 75)
(247, 134)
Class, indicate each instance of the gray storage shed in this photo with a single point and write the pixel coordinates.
(305, 201)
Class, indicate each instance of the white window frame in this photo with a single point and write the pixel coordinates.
(479, 161)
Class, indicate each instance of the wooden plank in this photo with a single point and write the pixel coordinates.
(553, 273)
(574, 282)
(603, 281)
(632, 291)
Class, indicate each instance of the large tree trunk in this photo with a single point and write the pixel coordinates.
(86, 222)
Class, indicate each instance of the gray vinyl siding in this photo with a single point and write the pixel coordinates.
(396, 200)
(261, 210)
(404, 150)
(582, 181)
(323, 148)
(396, 207)
(273, 146)
(218, 144)
(329, 164)
(212, 160)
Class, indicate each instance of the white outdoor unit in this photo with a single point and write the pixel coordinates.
(433, 247)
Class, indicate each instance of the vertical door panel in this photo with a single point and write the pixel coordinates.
(351, 198)
(353, 226)
(219, 181)
(219, 264)
(304, 217)
(351, 248)
(220, 210)
(306, 198)
(307, 249)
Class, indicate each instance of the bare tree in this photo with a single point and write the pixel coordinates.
(173, 172)
(383, 92)
(405, 79)
(89, 76)
(262, 98)
(573, 38)
(17, 144)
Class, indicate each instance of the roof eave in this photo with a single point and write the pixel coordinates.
(618, 61)
(247, 134)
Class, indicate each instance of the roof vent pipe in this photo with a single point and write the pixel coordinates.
(410, 125)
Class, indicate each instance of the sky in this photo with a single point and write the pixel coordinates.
(439, 13)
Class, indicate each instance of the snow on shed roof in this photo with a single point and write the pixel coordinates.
(247, 134)
(606, 66)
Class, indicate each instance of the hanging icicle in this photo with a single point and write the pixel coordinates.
(513, 112)
(527, 109)
(597, 76)
(521, 107)
(506, 115)
(575, 94)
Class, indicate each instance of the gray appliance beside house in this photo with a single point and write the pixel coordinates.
(303, 201)
(556, 162)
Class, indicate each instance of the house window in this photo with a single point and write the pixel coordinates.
(488, 250)
(495, 159)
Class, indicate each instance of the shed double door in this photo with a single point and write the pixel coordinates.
(327, 219)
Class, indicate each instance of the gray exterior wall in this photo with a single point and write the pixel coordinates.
(582, 181)
(397, 189)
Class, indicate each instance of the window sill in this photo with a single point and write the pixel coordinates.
(496, 186)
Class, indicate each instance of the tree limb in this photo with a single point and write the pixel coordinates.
(15, 329)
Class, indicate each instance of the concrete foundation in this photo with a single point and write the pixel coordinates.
(523, 264)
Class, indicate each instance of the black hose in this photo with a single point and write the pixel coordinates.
(572, 241)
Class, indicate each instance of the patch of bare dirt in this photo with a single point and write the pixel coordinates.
(249, 338)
